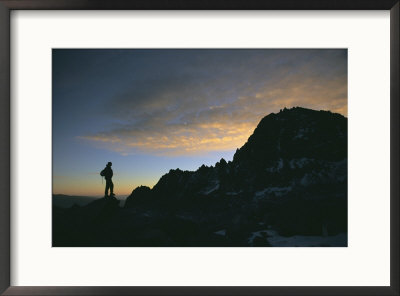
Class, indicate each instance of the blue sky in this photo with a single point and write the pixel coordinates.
(149, 111)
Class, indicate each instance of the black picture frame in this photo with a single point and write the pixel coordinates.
(7, 6)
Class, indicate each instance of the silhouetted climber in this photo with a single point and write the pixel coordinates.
(108, 173)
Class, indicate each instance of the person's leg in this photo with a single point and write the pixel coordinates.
(111, 188)
(107, 186)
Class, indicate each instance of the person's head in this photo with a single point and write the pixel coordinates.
(109, 163)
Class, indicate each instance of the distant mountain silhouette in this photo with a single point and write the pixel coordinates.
(289, 178)
(67, 201)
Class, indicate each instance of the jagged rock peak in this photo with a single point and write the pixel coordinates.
(296, 132)
(138, 195)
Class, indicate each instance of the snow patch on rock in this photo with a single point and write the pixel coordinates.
(339, 240)
(221, 232)
(299, 162)
(261, 233)
(212, 189)
(277, 191)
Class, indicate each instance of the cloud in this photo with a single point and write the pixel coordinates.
(208, 102)
(177, 139)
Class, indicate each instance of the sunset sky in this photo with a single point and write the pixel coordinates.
(149, 111)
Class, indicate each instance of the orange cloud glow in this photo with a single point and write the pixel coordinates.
(191, 117)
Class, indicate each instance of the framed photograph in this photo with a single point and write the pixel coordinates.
(169, 148)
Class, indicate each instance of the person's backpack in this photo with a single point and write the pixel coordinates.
(103, 173)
